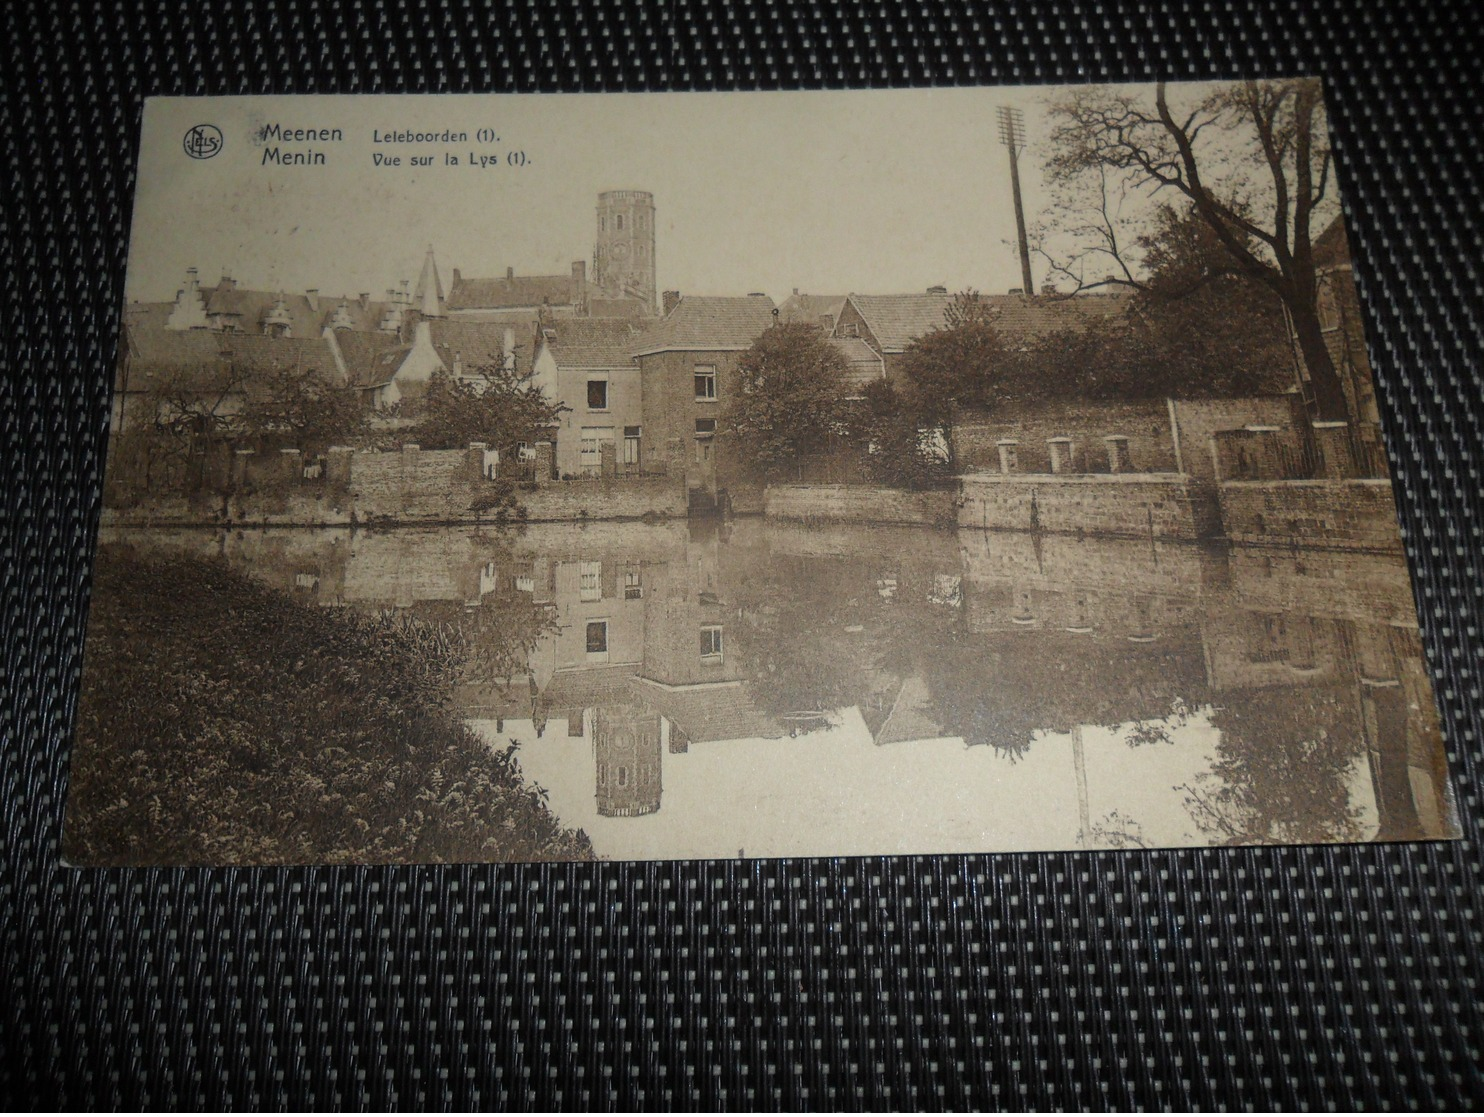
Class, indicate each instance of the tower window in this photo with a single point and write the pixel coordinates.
(619, 220)
(705, 382)
(711, 643)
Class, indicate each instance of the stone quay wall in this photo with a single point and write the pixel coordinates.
(1158, 506)
(1345, 514)
(409, 485)
(858, 504)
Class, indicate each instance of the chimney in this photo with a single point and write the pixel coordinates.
(456, 276)
(365, 299)
(796, 290)
(458, 364)
(937, 289)
(226, 283)
(669, 300)
(312, 296)
(509, 274)
(579, 281)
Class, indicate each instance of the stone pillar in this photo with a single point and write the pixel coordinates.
(475, 462)
(241, 468)
(607, 457)
(1118, 461)
(543, 462)
(1063, 452)
(291, 466)
(1336, 455)
(337, 468)
(1009, 450)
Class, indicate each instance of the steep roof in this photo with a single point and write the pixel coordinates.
(252, 307)
(481, 345)
(810, 308)
(711, 713)
(863, 363)
(895, 321)
(371, 359)
(1332, 247)
(471, 293)
(701, 323)
(206, 355)
(593, 342)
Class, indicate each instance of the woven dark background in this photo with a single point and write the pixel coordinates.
(1293, 977)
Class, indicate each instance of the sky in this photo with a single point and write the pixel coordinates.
(827, 192)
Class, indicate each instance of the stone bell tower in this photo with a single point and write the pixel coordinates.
(623, 257)
(626, 749)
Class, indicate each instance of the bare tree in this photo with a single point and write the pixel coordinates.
(1253, 161)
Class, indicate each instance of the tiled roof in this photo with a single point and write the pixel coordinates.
(711, 713)
(480, 345)
(252, 307)
(896, 320)
(509, 291)
(371, 359)
(593, 342)
(912, 717)
(584, 689)
(1332, 247)
(155, 352)
(809, 308)
(617, 308)
(863, 363)
(700, 323)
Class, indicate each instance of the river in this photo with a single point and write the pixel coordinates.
(761, 688)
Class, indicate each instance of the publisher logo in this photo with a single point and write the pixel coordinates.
(203, 141)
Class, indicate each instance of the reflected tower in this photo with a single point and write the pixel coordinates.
(626, 748)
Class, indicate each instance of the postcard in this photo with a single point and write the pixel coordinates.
(513, 478)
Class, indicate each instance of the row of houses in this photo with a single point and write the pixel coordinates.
(649, 378)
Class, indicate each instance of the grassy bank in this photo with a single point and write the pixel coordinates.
(223, 722)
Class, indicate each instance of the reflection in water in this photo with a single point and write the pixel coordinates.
(693, 690)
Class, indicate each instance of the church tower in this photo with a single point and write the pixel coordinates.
(623, 258)
(626, 748)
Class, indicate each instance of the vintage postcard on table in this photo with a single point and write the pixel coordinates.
(668, 476)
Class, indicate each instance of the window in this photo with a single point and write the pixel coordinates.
(590, 582)
(590, 449)
(705, 428)
(706, 382)
(631, 445)
(711, 643)
(597, 395)
(633, 586)
(850, 329)
(619, 219)
(597, 641)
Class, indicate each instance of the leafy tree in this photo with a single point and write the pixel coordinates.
(788, 405)
(1253, 162)
(496, 406)
(889, 435)
(301, 408)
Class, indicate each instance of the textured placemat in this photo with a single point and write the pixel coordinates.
(1296, 977)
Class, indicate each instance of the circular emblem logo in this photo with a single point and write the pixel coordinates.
(203, 141)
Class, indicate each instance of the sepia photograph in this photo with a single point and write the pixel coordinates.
(655, 476)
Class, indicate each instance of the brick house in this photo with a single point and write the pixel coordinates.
(586, 363)
(688, 372)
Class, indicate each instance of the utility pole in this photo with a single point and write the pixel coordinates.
(1012, 135)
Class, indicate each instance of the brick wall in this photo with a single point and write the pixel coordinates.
(1341, 514)
(1145, 423)
(858, 504)
(1197, 421)
(1114, 505)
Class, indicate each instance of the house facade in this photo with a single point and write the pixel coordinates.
(688, 373)
(586, 363)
